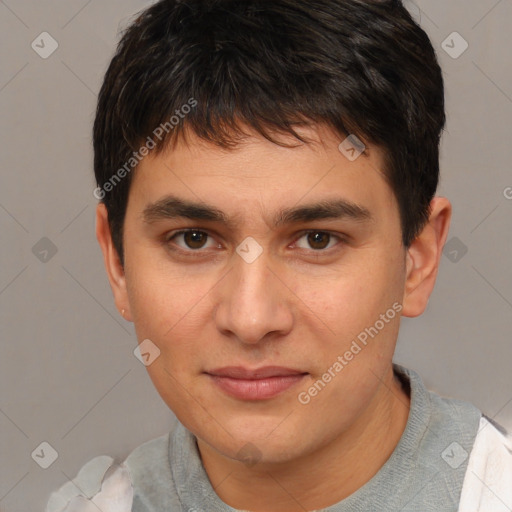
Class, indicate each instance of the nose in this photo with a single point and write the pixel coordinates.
(253, 303)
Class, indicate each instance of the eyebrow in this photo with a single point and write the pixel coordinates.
(171, 207)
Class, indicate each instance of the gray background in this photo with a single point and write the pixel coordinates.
(67, 370)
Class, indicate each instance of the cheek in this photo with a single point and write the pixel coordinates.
(164, 300)
(351, 298)
(171, 310)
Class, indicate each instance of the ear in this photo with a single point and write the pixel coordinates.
(115, 271)
(423, 258)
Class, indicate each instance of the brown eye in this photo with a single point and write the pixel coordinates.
(189, 239)
(195, 239)
(318, 240)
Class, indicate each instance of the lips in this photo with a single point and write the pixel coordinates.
(257, 384)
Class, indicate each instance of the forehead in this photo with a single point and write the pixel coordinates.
(256, 172)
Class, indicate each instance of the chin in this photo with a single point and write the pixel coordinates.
(259, 452)
(259, 442)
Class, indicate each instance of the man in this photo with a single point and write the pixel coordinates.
(267, 175)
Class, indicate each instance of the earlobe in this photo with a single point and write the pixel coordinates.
(115, 271)
(423, 258)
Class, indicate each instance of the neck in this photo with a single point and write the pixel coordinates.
(324, 477)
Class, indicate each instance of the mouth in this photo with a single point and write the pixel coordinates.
(258, 384)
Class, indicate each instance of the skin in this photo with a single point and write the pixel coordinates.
(296, 305)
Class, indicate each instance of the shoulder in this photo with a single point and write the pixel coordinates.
(488, 480)
(144, 476)
(443, 419)
(97, 482)
(151, 456)
(151, 474)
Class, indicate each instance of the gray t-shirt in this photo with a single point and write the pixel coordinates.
(425, 472)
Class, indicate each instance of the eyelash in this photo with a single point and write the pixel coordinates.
(197, 253)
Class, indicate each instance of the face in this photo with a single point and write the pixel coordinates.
(254, 295)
